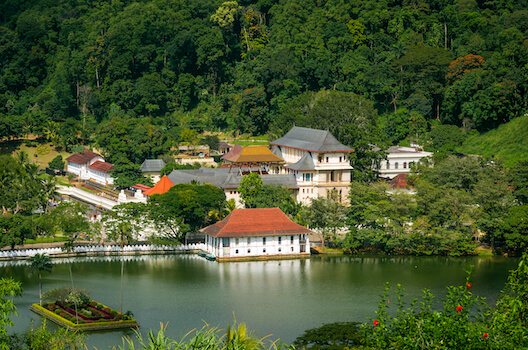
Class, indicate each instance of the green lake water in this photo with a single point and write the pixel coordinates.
(282, 298)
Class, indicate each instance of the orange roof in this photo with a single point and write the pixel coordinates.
(101, 166)
(163, 185)
(255, 154)
(255, 222)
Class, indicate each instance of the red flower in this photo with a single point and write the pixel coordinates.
(459, 308)
(468, 285)
(376, 323)
(485, 335)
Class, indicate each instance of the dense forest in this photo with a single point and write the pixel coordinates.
(131, 76)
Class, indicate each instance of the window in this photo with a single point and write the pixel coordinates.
(236, 251)
(249, 250)
(264, 250)
(388, 165)
(263, 240)
(236, 241)
(280, 239)
(396, 165)
(339, 159)
(292, 249)
(248, 240)
(303, 190)
(404, 165)
(225, 241)
(320, 159)
(291, 239)
(280, 249)
(327, 159)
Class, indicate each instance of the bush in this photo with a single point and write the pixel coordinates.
(58, 311)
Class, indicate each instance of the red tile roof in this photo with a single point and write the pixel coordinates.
(399, 181)
(255, 222)
(163, 185)
(101, 166)
(141, 187)
(82, 158)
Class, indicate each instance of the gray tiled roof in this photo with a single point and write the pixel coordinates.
(277, 151)
(305, 163)
(287, 181)
(152, 165)
(311, 140)
(222, 178)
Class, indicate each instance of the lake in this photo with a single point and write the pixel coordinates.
(283, 298)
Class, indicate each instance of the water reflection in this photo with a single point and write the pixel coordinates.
(283, 298)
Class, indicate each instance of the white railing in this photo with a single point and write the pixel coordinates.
(103, 250)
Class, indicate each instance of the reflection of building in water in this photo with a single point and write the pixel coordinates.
(256, 233)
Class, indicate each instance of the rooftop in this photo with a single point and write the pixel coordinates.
(255, 222)
(254, 154)
(163, 185)
(82, 158)
(312, 140)
(101, 166)
(152, 165)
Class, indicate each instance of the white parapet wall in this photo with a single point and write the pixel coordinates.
(101, 250)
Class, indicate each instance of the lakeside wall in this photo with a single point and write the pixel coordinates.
(101, 250)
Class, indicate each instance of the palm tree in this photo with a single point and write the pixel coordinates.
(40, 263)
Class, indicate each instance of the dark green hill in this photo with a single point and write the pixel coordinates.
(508, 142)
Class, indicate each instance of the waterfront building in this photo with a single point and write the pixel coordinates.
(256, 233)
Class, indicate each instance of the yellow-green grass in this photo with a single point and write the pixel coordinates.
(132, 323)
(45, 240)
(39, 151)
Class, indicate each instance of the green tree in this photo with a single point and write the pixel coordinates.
(9, 288)
(185, 208)
(515, 228)
(326, 215)
(250, 189)
(519, 181)
(57, 164)
(40, 263)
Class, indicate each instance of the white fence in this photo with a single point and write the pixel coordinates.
(101, 250)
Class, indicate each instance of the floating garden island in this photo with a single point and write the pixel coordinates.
(90, 315)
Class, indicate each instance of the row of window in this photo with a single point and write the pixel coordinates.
(263, 250)
(396, 165)
(237, 240)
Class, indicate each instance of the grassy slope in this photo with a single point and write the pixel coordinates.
(508, 142)
(41, 152)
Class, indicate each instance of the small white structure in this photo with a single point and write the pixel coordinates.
(256, 233)
(399, 160)
(318, 160)
(79, 163)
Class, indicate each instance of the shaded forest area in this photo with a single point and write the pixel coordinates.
(132, 75)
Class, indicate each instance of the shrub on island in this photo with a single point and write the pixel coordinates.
(74, 308)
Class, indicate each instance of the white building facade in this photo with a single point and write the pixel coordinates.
(318, 160)
(399, 160)
(256, 233)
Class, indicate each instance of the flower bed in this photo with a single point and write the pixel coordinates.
(91, 316)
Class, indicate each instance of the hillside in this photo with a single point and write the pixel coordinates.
(507, 142)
